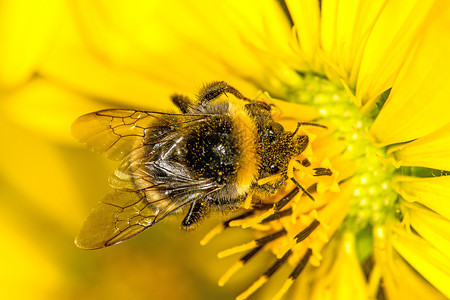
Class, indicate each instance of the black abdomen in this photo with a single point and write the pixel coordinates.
(212, 151)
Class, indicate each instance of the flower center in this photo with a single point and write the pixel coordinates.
(373, 197)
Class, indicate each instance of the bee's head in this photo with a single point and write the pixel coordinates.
(275, 146)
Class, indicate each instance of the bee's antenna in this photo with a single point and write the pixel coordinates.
(307, 124)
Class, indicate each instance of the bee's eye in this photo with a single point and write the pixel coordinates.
(277, 127)
(274, 168)
(273, 130)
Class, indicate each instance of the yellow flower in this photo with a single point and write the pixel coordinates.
(375, 72)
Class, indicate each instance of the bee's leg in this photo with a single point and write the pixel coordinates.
(227, 204)
(216, 88)
(182, 102)
(194, 215)
(271, 187)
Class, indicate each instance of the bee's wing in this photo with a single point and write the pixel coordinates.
(119, 216)
(116, 132)
(123, 214)
(136, 204)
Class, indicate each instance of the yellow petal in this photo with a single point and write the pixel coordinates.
(427, 260)
(391, 41)
(433, 192)
(190, 42)
(26, 31)
(95, 78)
(355, 21)
(263, 24)
(350, 267)
(330, 280)
(431, 226)
(117, 29)
(400, 281)
(41, 171)
(432, 151)
(47, 109)
(24, 263)
(117, 62)
(306, 17)
(344, 32)
(417, 105)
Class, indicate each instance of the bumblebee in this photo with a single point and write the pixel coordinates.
(207, 158)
